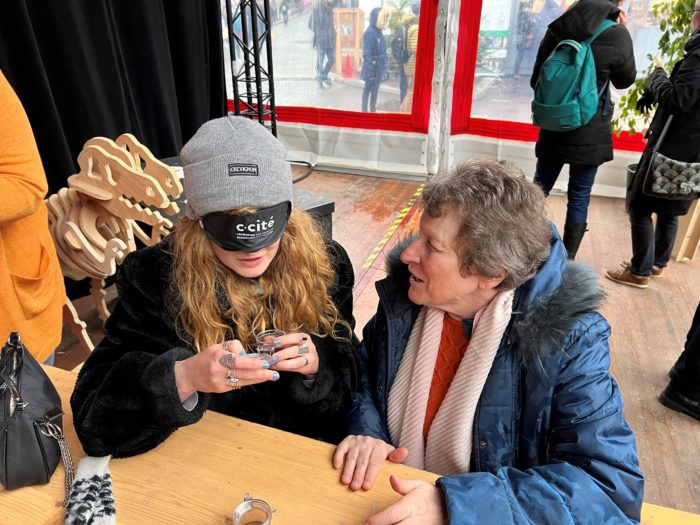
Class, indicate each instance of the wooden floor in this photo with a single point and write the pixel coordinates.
(648, 326)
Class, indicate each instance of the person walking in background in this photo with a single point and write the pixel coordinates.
(525, 26)
(410, 21)
(399, 49)
(321, 23)
(587, 147)
(374, 61)
(683, 391)
(679, 96)
(32, 294)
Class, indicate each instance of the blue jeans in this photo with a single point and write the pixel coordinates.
(578, 193)
(651, 245)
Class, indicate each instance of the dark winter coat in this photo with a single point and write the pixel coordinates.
(125, 401)
(590, 144)
(321, 23)
(550, 442)
(375, 60)
(679, 96)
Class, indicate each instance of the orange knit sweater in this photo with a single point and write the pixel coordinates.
(31, 283)
(453, 345)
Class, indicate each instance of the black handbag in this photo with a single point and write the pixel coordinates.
(667, 178)
(31, 426)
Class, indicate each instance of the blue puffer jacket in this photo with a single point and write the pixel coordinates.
(551, 444)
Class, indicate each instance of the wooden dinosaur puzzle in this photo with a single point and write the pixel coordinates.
(95, 220)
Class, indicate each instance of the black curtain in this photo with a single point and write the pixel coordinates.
(86, 68)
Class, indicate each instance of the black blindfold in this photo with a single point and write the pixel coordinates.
(249, 232)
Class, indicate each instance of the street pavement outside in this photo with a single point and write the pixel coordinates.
(294, 71)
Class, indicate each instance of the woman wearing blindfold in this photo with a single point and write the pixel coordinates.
(242, 261)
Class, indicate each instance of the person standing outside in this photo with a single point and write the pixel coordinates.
(677, 96)
(410, 21)
(321, 23)
(589, 146)
(374, 61)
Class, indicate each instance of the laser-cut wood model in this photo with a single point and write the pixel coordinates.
(95, 219)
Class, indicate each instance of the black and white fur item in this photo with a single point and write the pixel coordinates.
(91, 500)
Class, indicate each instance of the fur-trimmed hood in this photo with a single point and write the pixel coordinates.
(545, 307)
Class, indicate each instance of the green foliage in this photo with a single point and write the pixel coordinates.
(400, 7)
(674, 21)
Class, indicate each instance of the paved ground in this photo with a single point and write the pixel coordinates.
(294, 64)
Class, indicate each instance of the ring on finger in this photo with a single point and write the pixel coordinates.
(306, 361)
(232, 379)
(228, 360)
(303, 350)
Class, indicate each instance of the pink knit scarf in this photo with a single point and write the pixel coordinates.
(449, 444)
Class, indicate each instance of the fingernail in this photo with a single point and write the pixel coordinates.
(243, 352)
(276, 341)
(304, 338)
(275, 376)
(266, 364)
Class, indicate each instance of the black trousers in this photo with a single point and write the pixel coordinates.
(651, 246)
(370, 92)
(685, 377)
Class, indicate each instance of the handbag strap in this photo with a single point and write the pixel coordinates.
(12, 353)
(10, 365)
(52, 430)
(11, 385)
(663, 134)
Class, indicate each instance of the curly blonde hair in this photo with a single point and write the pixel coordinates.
(213, 304)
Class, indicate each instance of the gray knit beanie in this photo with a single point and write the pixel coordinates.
(234, 162)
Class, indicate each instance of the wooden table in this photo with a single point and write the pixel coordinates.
(203, 471)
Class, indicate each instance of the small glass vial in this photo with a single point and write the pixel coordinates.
(252, 512)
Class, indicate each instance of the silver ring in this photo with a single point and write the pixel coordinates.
(302, 350)
(232, 380)
(226, 344)
(306, 361)
(228, 360)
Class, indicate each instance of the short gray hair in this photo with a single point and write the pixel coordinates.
(503, 223)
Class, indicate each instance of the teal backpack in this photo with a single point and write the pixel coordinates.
(566, 93)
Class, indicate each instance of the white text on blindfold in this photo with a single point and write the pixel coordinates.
(259, 226)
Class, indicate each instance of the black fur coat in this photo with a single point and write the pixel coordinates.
(125, 401)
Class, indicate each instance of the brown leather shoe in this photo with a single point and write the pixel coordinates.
(628, 278)
(656, 271)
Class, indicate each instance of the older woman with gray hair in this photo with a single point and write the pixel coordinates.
(488, 364)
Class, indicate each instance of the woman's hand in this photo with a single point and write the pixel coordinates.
(362, 457)
(295, 353)
(422, 504)
(220, 368)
